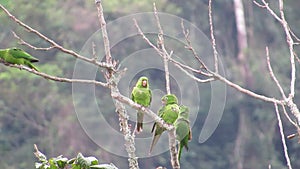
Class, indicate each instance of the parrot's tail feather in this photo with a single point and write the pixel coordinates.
(139, 127)
(154, 141)
(32, 66)
(179, 152)
(153, 127)
(186, 147)
(35, 68)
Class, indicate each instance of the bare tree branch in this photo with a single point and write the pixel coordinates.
(55, 78)
(290, 43)
(176, 63)
(114, 78)
(272, 74)
(189, 46)
(22, 42)
(266, 5)
(288, 101)
(286, 154)
(104, 32)
(212, 36)
(54, 44)
(289, 39)
(289, 118)
(161, 46)
(166, 57)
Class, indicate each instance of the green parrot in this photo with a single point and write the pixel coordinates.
(141, 94)
(18, 56)
(169, 113)
(183, 129)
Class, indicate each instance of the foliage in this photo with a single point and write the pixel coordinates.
(60, 162)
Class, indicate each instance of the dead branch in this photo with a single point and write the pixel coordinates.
(114, 78)
(53, 44)
(286, 154)
(54, 78)
(212, 36)
(272, 74)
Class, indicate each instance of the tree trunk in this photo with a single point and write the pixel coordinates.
(239, 149)
(240, 142)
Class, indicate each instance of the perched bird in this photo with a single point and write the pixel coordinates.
(169, 113)
(183, 129)
(141, 94)
(19, 57)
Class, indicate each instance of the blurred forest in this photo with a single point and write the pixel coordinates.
(38, 111)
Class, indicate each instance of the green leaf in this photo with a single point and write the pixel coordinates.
(61, 161)
(53, 164)
(76, 166)
(82, 162)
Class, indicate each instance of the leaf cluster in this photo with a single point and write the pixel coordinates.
(78, 162)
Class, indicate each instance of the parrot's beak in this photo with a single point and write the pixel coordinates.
(164, 102)
(144, 83)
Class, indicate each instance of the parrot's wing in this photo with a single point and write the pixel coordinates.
(150, 93)
(19, 53)
(156, 135)
(132, 94)
(154, 141)
(161, 111)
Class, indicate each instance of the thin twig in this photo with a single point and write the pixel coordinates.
(184, 66)
(54, 78)
(22, 42)
(286, 154)
(246, 91)
(213, 36)
(289, 39)
(161, 45)
(290, 43)
(189, 46)
(272, 74)
(210, 73)
(104, 32)
(181, 66)
(177, 64)
(266, 5)
(53, 43)
(145, 38)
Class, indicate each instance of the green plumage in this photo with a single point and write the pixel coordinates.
(18, 56)
(169, 113)
(183, 130)
(141, 94)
